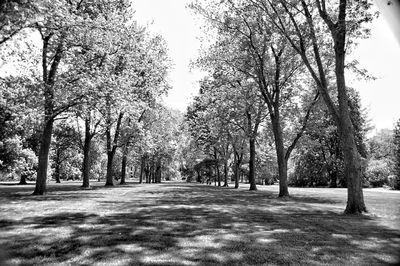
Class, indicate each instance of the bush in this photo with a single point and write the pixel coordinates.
(394, 182)
(377, 172)
(309, 171)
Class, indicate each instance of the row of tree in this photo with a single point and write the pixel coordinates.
(88, 74)
(273, 61)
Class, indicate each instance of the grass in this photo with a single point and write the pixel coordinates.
(191, 224)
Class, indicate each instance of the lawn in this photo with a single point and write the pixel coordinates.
(192, 224)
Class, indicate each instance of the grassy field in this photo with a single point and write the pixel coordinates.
(191, 224)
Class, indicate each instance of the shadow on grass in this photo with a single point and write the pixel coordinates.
(61, 192)
(199, 225)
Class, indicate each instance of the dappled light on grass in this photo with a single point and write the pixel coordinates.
(189, 224)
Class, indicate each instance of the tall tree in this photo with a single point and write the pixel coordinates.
(305, 24)
(61, 26)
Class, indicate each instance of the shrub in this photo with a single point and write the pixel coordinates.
(377, 172)
(394, 182)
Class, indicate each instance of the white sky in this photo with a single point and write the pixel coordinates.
(180, 28)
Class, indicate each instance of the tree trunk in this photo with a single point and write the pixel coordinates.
(352, 171)
(86, 155)
(280, 154)
(109, 175)
(123, 165)
(142, 165)
(211, 175)
(134, 172)
(22, 180)
(351, 156)
(49, 78)
(252, 176)
(57, 173)
(226, 173)
(199, 179)
(112, 146)
(237, 169)
(218, 175)
(152, 173)
(158, 171)
(333, 177)
(147, 174)
(45, 140)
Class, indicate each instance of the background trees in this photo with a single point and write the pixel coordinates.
(319, 159)
(248, 44)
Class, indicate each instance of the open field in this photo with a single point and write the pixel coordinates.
(191, 224)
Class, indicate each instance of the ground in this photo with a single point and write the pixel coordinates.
(192, 224)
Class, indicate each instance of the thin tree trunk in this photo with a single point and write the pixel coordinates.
(252, 179)
(215, 179)
(147, 174)
(158, 171)
(86, 155)
(333, 177)
(134, 172)
(236, 169)
(142, 165)
(123, 165)
(109, 175)
(152, 172)
(218, 175)
(226, 173)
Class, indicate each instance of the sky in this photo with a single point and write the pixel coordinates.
(180, 29)
(380, 55)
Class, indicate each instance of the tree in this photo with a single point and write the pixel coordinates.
(382, 159)
(305, 24)
(91, 129)
(248, 44)
(61, 27)
(18, 127)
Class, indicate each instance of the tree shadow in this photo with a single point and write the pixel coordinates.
(200, 225)
(60, 192)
